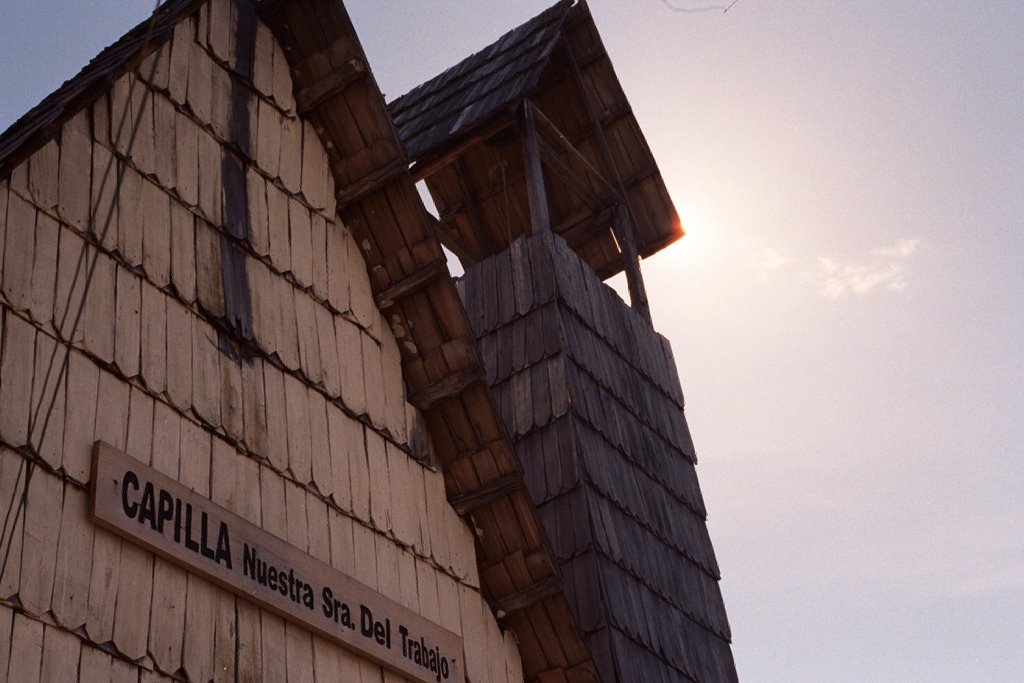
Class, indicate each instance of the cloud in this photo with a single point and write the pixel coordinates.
(770, 259)
(884, 269)
(905, 247)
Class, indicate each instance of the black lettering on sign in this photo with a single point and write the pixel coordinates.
(160, 514)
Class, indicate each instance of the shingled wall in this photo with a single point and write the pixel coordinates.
(227, 337)
(591, 397)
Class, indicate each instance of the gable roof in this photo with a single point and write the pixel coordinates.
(480, 85)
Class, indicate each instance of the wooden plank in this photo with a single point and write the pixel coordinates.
(278, 209)
(315, 94)
(134, 593)
(39, 547)
(206, 359)
(179, 355)
(17, 269)
(74, 551)
(43, 269)
(448, 386)
(322, 474)
(61, 652)
(469, 501)
(318, 239)
(26, 649)
(156, 242)
(329, 362)
(75, 155)
(291, 154)
(413, 282)
(296, 404)
(276, 418)
(231, 396)
(371, 182)
(532, 594)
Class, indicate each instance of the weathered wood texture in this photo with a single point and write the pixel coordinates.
(460, 129)
(441, 364)
(217, 320)
(590, 394)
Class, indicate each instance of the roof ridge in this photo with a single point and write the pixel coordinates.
(39, 124)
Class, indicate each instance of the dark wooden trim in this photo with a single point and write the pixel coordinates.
(631, 261)
(496, 488)
(315, 94)
(413, 282)
(452, 384)
(371, 182)
(540, 220)
(473, 207)
(432, 163)
(450, 238)
(531, 595)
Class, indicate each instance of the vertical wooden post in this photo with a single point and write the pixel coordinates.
(631, 262)
(540, 220)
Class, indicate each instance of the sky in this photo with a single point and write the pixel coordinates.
(846, 309)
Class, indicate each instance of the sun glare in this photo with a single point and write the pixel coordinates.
(698, 245)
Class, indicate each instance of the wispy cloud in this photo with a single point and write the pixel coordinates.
(883, 269)
(771, 258)
(903, 248)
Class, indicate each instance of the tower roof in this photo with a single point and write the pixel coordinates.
(460, 128)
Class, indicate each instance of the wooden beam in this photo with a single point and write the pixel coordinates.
(540, 220)
(431, 164)
(531, 595)
(575, 229)
(465, 503)
(450, 238)
(476, 218)
(336, 80)
(413, 282)
(634, 278)
(452, 384)
(563, 141)
(371, 182)
(553, 160)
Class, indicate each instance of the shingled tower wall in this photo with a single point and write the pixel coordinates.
(590, 395)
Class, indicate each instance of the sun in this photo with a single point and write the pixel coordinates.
(699, 245)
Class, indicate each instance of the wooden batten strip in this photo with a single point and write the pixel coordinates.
(371, 182)
(414, 282)
(336, 80)
(431, 165)
(448, 386)
(531, 595)
(496, 488)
